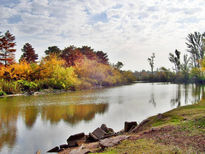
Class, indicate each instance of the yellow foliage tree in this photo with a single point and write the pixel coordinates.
(16, 71)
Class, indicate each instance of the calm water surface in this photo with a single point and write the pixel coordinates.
(42, 122)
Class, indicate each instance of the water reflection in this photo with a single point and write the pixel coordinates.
(22, 118)
(72, 113)
(29, 108)
(176, 101)
(152, 97)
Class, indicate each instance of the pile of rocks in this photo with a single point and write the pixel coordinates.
(101, 135)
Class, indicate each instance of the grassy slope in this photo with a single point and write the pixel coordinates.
(181, 130)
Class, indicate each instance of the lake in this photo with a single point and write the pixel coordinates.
(31, 123)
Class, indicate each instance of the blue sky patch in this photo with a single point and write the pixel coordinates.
(101, 17)
(9, 3)
(14, 19)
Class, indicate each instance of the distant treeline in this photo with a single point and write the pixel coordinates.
(188, 68)
(70, 68)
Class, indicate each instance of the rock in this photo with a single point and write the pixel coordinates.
(56, 149)
(99, 133)
(76, 137)
(110, 130)
(38, 93)
(129, 125)
(64, 146)
(94, 145)
(73, 140)
(120, 132)
(80, 150)
(105, 128)
(139, 127)
(72, 143)
(91, 138)
(109, 142)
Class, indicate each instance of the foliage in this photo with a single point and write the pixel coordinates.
(7, 48)
(72, 68)
(70, 55)
(53, 50)
(9, 87)
(175, 60)
(2, 93)
(28, 54)
(26, 85)
(64, 78)
(102, 57)
(195, 44)
(98, 74)
(118, 65)
(16, 71)
(128, 76)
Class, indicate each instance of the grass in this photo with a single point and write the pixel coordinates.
(188, 125)
(142, 146)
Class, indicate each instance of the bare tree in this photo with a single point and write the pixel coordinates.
(151, 62)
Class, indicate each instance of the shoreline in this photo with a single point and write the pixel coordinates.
(175, 131)
(58, 91)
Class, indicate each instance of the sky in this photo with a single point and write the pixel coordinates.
(127, 30)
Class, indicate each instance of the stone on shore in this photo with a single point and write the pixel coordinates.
(129, 126)
(99, 133)
(109, 142)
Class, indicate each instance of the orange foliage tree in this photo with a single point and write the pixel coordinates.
(70, 55)
(7, 48)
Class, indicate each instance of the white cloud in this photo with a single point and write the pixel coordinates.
(128, 31)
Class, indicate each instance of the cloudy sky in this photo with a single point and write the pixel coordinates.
(128, 30)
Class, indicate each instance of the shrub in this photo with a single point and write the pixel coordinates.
(9, 87)
(27, 85)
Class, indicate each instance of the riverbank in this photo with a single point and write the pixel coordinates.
(177, 131)
(58, 91)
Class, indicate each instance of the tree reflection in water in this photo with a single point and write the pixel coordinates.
(152, 97)
(15, 109)
(75, 107)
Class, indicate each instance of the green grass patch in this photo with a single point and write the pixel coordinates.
(194, 127)
(142, 146)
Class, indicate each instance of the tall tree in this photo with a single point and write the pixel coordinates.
(88, 52)
(28, 54)
(70, 55)
(195, 43)
(102, 57)
(118, 65)
(185, 66)
(151, 62)
(53, 50)
(7, 48)
(175, 60)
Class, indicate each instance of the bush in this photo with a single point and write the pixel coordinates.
(2, 93)
(9, 87)
(26, 85)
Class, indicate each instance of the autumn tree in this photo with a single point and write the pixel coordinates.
(151, 62)
(70, 55)
(28, 54)
(175, 59)
(185, 66)
(7, 48)
(195, 44)
(118, 65)
(53, 50)
(88, 52)
(102, 57)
